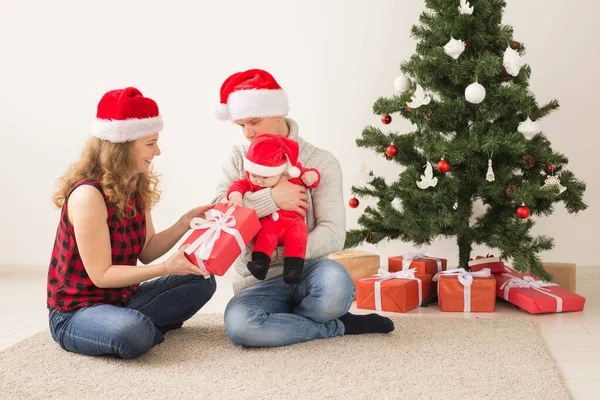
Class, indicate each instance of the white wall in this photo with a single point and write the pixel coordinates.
(335, 58)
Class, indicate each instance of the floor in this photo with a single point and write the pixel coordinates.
(573, 338)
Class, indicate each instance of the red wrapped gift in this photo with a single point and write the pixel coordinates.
(420, 261)
(396, 292)
(535, 296)
(495, 264)
(462, 291)
(219, 239)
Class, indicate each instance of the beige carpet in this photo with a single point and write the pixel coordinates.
(425, 358)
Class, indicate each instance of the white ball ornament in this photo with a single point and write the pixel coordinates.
(402, 83)
(475, 93)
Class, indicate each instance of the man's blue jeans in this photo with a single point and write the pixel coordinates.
(131, 331)
(273, 313)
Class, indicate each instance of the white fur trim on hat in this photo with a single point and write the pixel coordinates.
(257, 103)
(262, 170)
(119, 131)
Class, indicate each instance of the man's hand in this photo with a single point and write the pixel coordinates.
(290, 197)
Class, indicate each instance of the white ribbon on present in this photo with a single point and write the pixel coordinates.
(529, 282)
(383, 276)
(216, 222)
(466, 279)
(409, 257)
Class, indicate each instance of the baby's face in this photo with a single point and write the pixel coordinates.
(264, 181)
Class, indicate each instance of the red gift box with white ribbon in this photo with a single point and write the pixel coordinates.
(400, 291)
(219, 239)
(494, 264)
(536, 296)
(420, 261)
(462, 291)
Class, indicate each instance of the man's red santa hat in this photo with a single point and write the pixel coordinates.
(251, 94)
(270, 154)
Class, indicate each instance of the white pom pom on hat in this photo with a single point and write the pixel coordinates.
(294, 172)
(221, 112)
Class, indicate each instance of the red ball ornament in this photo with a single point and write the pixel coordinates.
(391, 151)
(443, 166)
(515, 43)
(523, 212)
(353, 202)
(386, 119)
(551, 167)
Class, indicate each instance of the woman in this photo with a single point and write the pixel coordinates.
(97, 305)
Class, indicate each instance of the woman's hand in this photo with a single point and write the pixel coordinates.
(178, 264)
(187, 218)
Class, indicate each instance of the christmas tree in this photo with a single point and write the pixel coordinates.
(477, 137)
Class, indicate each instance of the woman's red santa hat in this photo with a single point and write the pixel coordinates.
(270, 154)
(124, 115)
(251, 94)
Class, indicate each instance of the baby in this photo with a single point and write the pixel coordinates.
(269, 157)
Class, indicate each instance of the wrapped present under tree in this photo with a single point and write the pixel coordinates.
(462, 291)
(395, 292)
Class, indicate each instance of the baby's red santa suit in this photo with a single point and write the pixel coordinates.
(267, 156)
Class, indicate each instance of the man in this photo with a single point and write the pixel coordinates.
(271, 312)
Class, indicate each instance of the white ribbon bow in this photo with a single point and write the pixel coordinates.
(529, 282)
(409, 257)
(466, 279)
(216, 222)
(383, 276)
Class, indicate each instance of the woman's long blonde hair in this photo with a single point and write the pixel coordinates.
(109, 164)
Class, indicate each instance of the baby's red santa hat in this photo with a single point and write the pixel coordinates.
(271, 154)
(124, 115)
(251, 94)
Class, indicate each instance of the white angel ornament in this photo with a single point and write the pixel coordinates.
(419, 98)
(465, 8)
(427, 180)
